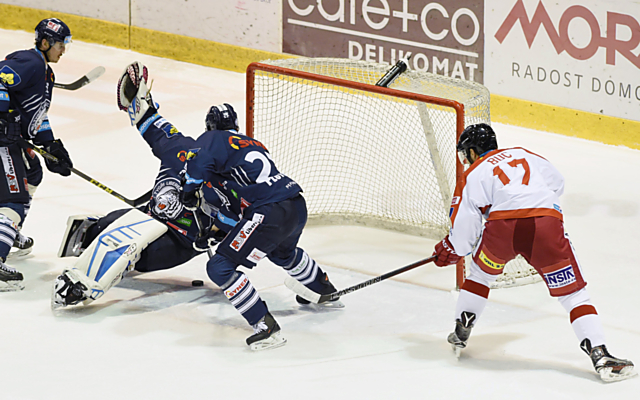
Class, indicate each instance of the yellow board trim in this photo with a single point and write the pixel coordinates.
(528, 114)
(565, 121)
(146, 41)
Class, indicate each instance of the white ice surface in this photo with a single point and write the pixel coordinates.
(156, 337)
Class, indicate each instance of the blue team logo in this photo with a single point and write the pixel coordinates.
(9, 77)
(560, 278)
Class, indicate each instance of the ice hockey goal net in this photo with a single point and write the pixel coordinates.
(365, 154)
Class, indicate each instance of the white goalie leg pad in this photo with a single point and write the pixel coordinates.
(114, 252)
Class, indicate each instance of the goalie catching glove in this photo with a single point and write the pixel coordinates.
(445, 254)
(134, 96)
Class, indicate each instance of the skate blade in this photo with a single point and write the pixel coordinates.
(11, 286)
(275, 340)
(456, 350)
(607, 374)
(20, 253)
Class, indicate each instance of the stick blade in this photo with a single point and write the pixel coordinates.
(301, 290)
(95, 73)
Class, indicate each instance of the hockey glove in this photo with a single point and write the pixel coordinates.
(445, 255)
(205, 242)
(10, 129)
(191, 196)
(56, 149)
(134, 96)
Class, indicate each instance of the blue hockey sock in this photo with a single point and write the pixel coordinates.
(304, 269)
(245, 298)
(8, 232)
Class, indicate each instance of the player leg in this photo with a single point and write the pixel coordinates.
(493, 251)
(253, 238)
(23, 245)
(14, 196)
(297, 262)
(554, 258)
(107, 259)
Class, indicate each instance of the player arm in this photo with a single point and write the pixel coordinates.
(466, 218)
(161, 135)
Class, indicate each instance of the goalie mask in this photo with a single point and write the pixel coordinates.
(479, 137)
(221, 118)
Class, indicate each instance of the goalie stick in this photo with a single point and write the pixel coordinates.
(308, 294)
(134, 203)
(85, 80)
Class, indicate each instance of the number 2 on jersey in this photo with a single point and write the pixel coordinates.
(497, 171)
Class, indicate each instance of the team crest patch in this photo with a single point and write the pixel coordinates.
(9, 77)
(182, 155)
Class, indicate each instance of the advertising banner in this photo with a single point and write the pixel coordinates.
(443, 37)
(580, 54)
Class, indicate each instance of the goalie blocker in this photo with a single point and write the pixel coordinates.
(106, 261)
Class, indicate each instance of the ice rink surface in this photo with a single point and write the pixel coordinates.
(156, 337)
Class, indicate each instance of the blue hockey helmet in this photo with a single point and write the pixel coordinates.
(221, 118)
(479, 137)
(54, 30)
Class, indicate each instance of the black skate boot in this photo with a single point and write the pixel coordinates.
(609, 368)
(458, 338)
(22, 246)
(325, 287)
(266, 334)
(10, 279)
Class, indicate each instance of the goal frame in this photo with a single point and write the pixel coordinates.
(455, 105)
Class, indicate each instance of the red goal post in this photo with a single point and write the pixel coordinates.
(365, 154)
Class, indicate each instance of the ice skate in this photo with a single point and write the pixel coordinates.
(610, 368)
(22, 246)
(10, 279)
(458, 338)
(325, 288)
(68, 291)
(266, 334)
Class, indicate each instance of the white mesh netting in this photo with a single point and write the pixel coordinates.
(362, 157)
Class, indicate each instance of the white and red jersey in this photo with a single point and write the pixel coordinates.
(504, 184)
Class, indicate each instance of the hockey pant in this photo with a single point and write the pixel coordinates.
(271, 231)
(545, 245)
(114, 252)
(23, 173)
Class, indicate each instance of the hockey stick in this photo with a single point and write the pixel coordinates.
(85, 80)
(134, 203)
(308, 294)
(392, 74)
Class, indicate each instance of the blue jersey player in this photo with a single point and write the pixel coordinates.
(26, 84)
(180, 241)
(273, 214)
(269, 204)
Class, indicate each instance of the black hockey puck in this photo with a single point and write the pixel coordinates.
(197, 282)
